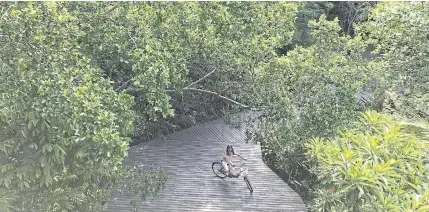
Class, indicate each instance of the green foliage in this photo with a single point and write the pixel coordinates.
(308, 11)
(398, 31)
(233, 38)
(146, 48)
(310, 92)
(64, 131)
(142, 47)
(186, 41)
(6, 200)
(348, 14)
(79, 76)
(380, 165)
(351, 13)
(144, 183)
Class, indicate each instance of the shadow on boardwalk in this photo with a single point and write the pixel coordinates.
(186, 157)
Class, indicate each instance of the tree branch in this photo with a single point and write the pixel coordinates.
(212, 93)
(188, 88)
(132, 39)
(123, 85)
(111, 9)
(5, 12)
(201, 79)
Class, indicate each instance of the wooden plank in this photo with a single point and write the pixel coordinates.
(187, 157)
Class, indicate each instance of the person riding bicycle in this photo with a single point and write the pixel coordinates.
(227, 160)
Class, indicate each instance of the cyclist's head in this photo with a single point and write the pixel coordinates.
(229, 150)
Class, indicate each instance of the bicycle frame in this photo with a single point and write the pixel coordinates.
(244, 171)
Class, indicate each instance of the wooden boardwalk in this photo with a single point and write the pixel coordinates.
(187, 156)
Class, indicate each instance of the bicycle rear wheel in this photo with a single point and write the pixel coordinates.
(248, 184)
(217, 167)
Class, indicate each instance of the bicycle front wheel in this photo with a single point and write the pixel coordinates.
(248, 184)
(217, 169)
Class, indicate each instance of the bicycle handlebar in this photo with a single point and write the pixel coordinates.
(241, 164)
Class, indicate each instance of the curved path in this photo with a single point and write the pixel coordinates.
(187, 155)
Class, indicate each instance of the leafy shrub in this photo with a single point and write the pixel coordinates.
(378, 166)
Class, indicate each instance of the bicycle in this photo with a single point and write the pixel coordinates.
(218, 170)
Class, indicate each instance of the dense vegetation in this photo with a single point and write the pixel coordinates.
(381, 165)
(320, 88)
(81, 81)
